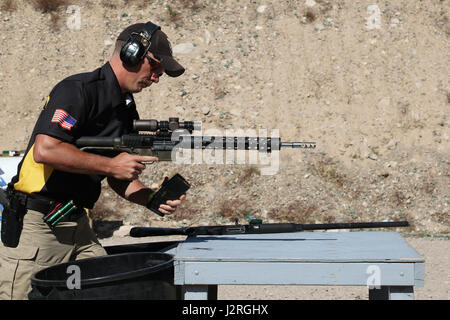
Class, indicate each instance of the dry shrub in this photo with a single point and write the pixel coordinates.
(296, 212)
(443, 22)
(173, 15)
(109, 4)
(139, 3)
(326, 168)
(235, 208)
(442, 217)
(398, 198)
(54, 21)
(174, 11)
(8, 5)
(428, 187)
(191, 4)
(310, 16)
(51, 7)
(47, 6)
(220, 90)
(248, 172)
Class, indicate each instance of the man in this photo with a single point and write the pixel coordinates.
(55, 174)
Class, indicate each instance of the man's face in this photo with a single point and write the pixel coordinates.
(145, 73)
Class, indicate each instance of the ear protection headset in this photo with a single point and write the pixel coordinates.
(136, 47)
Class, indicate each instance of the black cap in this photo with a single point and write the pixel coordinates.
(160, 47)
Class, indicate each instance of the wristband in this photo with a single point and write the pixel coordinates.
(150, 198)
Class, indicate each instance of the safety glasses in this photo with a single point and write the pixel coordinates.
(152, 61)
(155, 65)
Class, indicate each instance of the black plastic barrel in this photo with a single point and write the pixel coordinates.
(125, 276)
(161, 246)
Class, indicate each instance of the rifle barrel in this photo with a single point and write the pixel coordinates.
(240, 143)
(300, 145)
(356, 225)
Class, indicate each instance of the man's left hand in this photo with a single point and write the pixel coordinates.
(171, 205)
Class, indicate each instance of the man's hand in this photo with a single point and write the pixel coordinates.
(136, 192)
(171, 205)
(128, 167)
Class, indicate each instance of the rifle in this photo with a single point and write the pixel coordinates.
(169, 136)
(256, 226)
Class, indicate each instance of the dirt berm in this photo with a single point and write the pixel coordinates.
(368, 81)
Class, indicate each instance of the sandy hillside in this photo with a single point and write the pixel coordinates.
(367, 81)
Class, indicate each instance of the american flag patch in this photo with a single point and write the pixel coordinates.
(64, 119)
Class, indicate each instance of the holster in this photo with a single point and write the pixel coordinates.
(14, 209)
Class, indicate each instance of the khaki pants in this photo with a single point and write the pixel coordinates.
(41, 247)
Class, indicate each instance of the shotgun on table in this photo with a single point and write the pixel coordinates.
(255, 226)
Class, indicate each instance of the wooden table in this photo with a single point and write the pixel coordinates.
(381, 261)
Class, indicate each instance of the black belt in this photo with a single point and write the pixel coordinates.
(43, 206)
(46, 206)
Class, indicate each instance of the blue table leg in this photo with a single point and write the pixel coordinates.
(198, 292)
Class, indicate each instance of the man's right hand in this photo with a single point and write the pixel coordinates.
(127, 166)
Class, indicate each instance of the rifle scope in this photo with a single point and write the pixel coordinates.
(171, 125)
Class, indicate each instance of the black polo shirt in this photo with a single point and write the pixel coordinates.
(87, 104)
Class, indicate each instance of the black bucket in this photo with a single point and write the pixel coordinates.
(126, 276)
(142, 247)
